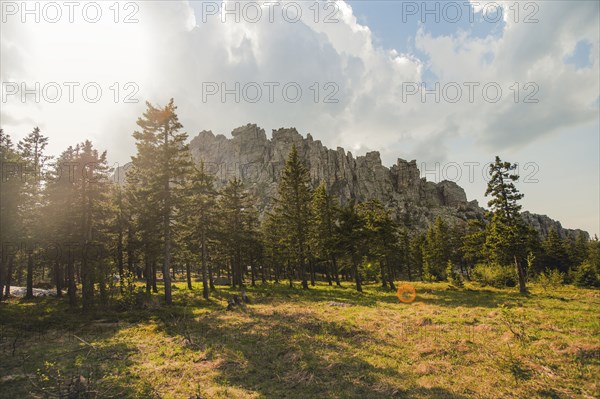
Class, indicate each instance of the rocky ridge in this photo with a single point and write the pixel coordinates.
(416, 202)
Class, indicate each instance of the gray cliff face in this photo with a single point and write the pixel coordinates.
(258, 161)
(543, 225)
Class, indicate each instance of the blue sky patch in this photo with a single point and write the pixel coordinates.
(581, 55)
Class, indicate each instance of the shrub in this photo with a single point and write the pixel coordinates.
(495, 275)
(586, 275)
(454, 278)
(550, 279)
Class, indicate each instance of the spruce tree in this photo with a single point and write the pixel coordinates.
(235, 208)
(11, 191)
(473, 242)
(323, 238)
(381, 233)
(163, 157)
(200, 217)
(352, 238)
(293, 207)
(64, 206)
(556, 254)
(436, 250)
(95, 214)
(507, 233)
(31, 150)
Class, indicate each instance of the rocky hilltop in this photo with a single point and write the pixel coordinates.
(543, 225)
(258, 161)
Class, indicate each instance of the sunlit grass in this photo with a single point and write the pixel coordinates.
(327, 342)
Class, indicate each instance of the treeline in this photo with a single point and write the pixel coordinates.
(70, 227)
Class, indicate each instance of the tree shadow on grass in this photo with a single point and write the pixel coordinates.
(372, 296)
(277, 355)
(62, 363)
(283, 355)
(468, 298)
(375, 295)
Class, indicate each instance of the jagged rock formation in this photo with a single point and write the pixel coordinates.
(543, 225)
(258, 161)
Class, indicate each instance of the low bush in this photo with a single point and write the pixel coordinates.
(550, 279)
(586, 275)
(495, 275)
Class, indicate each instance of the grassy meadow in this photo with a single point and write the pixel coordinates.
(327, 342)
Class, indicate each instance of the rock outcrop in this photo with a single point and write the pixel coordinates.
(543, 225)
(258, 161)
(416, 202)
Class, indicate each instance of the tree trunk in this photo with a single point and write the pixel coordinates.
(58, 278)
(521, 275)
(303, 269)
(382, 266)
(211, 283)
(327, 274)
(87, 285)
(167, 260)
(229, 266)
(29, 294)
(205, 284)
(311, 264)
(276, 269)
(102, 287)
(2, 276)
(234, 272)
(130, 249)
(336, 274)
(356, 274)
(391, 276)
(148, 274)
(252, 271)
(154, 272)
(71, 288)
(9, 273)
(291, 275)
(120, 253)
(188, 275)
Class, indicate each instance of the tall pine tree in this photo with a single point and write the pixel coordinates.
(507, 234)
(31, 149)
(293, 207)
(163, 160)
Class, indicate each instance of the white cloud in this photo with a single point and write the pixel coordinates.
(172, 52)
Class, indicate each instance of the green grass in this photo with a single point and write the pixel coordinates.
(290, 343)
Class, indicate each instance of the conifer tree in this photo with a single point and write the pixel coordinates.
(436, 250)
(352, 238)
(416, 246)
(473, 242)
(293, 208)
(323, 238)
(31, 150)
(556, 254)
(95, 214)
(507, 234)
(235, 226)
(163, 159)
(11, 191)
(63, 205)
(200, 217)
(380, 231)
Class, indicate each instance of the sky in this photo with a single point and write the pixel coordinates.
(450, 84)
